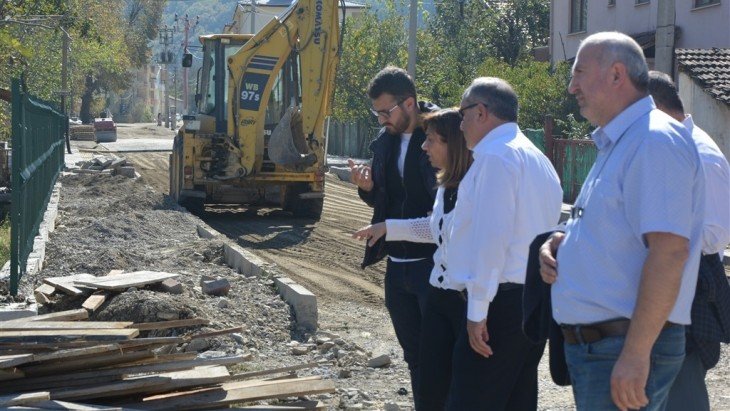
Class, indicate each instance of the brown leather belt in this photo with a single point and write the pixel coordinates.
(590, 333)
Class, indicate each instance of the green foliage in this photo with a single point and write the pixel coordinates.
(108, 40)
(573, 128)
(370, 44)
(4, 241)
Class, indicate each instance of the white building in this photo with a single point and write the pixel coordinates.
(689, 39)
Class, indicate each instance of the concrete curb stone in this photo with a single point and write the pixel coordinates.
(302, 301)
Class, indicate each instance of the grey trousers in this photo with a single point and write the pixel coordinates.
(689, 391)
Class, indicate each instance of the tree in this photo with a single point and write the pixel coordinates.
(370, 43)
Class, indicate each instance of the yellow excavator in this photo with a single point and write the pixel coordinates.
(258, 137)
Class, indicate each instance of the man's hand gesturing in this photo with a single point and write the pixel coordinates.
(360, 175)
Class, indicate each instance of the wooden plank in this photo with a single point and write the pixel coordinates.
(124, 281)
(74, 352)
(215, 333)
(94, 301)
(60, 335)
(7, 361)
(42, 293)
(46, 289)
(67, 284)
(70, 315)
(196, 377)
(41, 298)
(122, 370)
(65, 325)
(223, 396)
(115, 272)
(24, 399)
(161, 325)
(85, 363)
(296, 405)
(252, 374)
(111, 390)
(24, 386)
(11, 374)
(174, 362)
(65, 405)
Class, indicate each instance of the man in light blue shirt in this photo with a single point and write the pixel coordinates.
(626, 269)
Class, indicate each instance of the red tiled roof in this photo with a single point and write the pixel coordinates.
(708, 67)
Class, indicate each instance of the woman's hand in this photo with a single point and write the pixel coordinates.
(372, 233)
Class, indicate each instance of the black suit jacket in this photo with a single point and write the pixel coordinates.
(537, 314)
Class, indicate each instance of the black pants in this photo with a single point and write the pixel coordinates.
(443, 322)
(406, 291)
(508, 379)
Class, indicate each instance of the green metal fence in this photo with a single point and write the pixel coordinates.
(571, 158)
(38, 131)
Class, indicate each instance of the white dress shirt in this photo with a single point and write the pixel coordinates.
(433, 229)
(510, 194)
(716, 228)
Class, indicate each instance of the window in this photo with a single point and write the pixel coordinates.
(639, 2)
(578, 15)
(700, 3)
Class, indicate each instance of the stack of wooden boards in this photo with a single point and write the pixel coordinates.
(85, 284)
(63, 361)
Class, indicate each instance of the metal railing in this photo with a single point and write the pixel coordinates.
(572, 159)
(38, 131)
(351, 139)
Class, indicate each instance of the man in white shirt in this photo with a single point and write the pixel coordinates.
(510, 194)
(706, 331)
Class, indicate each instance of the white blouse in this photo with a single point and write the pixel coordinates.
(431, 229)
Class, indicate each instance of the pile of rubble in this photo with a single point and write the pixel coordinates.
(106, 164)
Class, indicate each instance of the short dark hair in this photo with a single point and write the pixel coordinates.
(664, 91)
(496, 94)
(394, 81)
(446, 124)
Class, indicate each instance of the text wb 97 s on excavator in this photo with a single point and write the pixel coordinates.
(262, 100)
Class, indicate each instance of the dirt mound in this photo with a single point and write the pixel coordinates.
(113, 223)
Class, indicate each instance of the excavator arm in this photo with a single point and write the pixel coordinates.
(296, 56)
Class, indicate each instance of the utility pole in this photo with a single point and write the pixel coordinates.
(412, 48)
(64, 81)
(166, 36)
(186, 28)
(664, 54)
(173, 115)
(253, 16)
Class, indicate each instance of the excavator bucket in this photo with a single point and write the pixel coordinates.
(282, 148)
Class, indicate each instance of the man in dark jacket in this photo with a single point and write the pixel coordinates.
(400, 183)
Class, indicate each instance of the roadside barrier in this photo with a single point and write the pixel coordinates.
(38, 135)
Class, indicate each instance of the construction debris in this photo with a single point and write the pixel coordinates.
(50, 364)
(106, 164)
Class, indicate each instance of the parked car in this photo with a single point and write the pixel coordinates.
(74, 121)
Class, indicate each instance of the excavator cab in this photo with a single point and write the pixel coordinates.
(259, 135)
